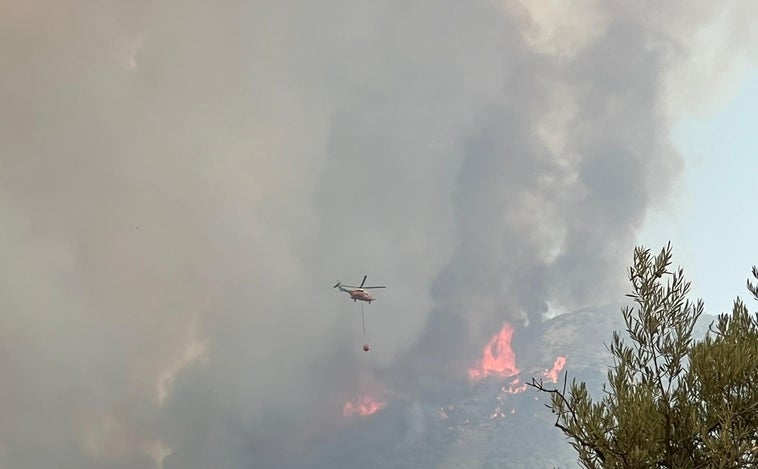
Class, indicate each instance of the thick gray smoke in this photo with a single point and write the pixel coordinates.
(182, 183)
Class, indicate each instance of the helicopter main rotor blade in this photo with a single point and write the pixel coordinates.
(369, 288)
(364, 281)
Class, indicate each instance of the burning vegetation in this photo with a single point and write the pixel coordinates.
(487, 402)
(552, 374)
(499, 360)
(362, 406)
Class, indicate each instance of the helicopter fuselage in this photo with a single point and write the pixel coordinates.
(359, 295)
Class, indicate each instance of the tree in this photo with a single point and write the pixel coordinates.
(670, 401)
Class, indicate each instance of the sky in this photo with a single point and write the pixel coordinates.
(708, 220)
(182, 183)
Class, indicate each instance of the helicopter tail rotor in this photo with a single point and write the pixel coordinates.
(337, 284)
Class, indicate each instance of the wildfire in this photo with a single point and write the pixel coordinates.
(516, 387)
(364, 405)
(498, 358)
(552, 374)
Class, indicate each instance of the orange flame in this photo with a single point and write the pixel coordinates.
(515, 387)
(364, 405)
(552, 374)
(498, 358)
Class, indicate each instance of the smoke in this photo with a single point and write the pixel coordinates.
(182, 183)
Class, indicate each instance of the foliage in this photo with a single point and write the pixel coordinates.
(670, 401)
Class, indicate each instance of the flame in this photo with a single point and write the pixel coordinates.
(515, 387)
(498, 413)
(552, 374)
(364, 405)
(498, 358)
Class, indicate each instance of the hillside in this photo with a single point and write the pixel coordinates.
(483, 424)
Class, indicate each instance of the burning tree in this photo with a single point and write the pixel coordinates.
(670, 401)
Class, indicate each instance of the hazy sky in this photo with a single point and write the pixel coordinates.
(709, 218)
(181, 184)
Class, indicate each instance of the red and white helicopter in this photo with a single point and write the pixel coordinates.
(358, 293)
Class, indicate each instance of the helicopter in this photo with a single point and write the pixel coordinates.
(358, 293)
